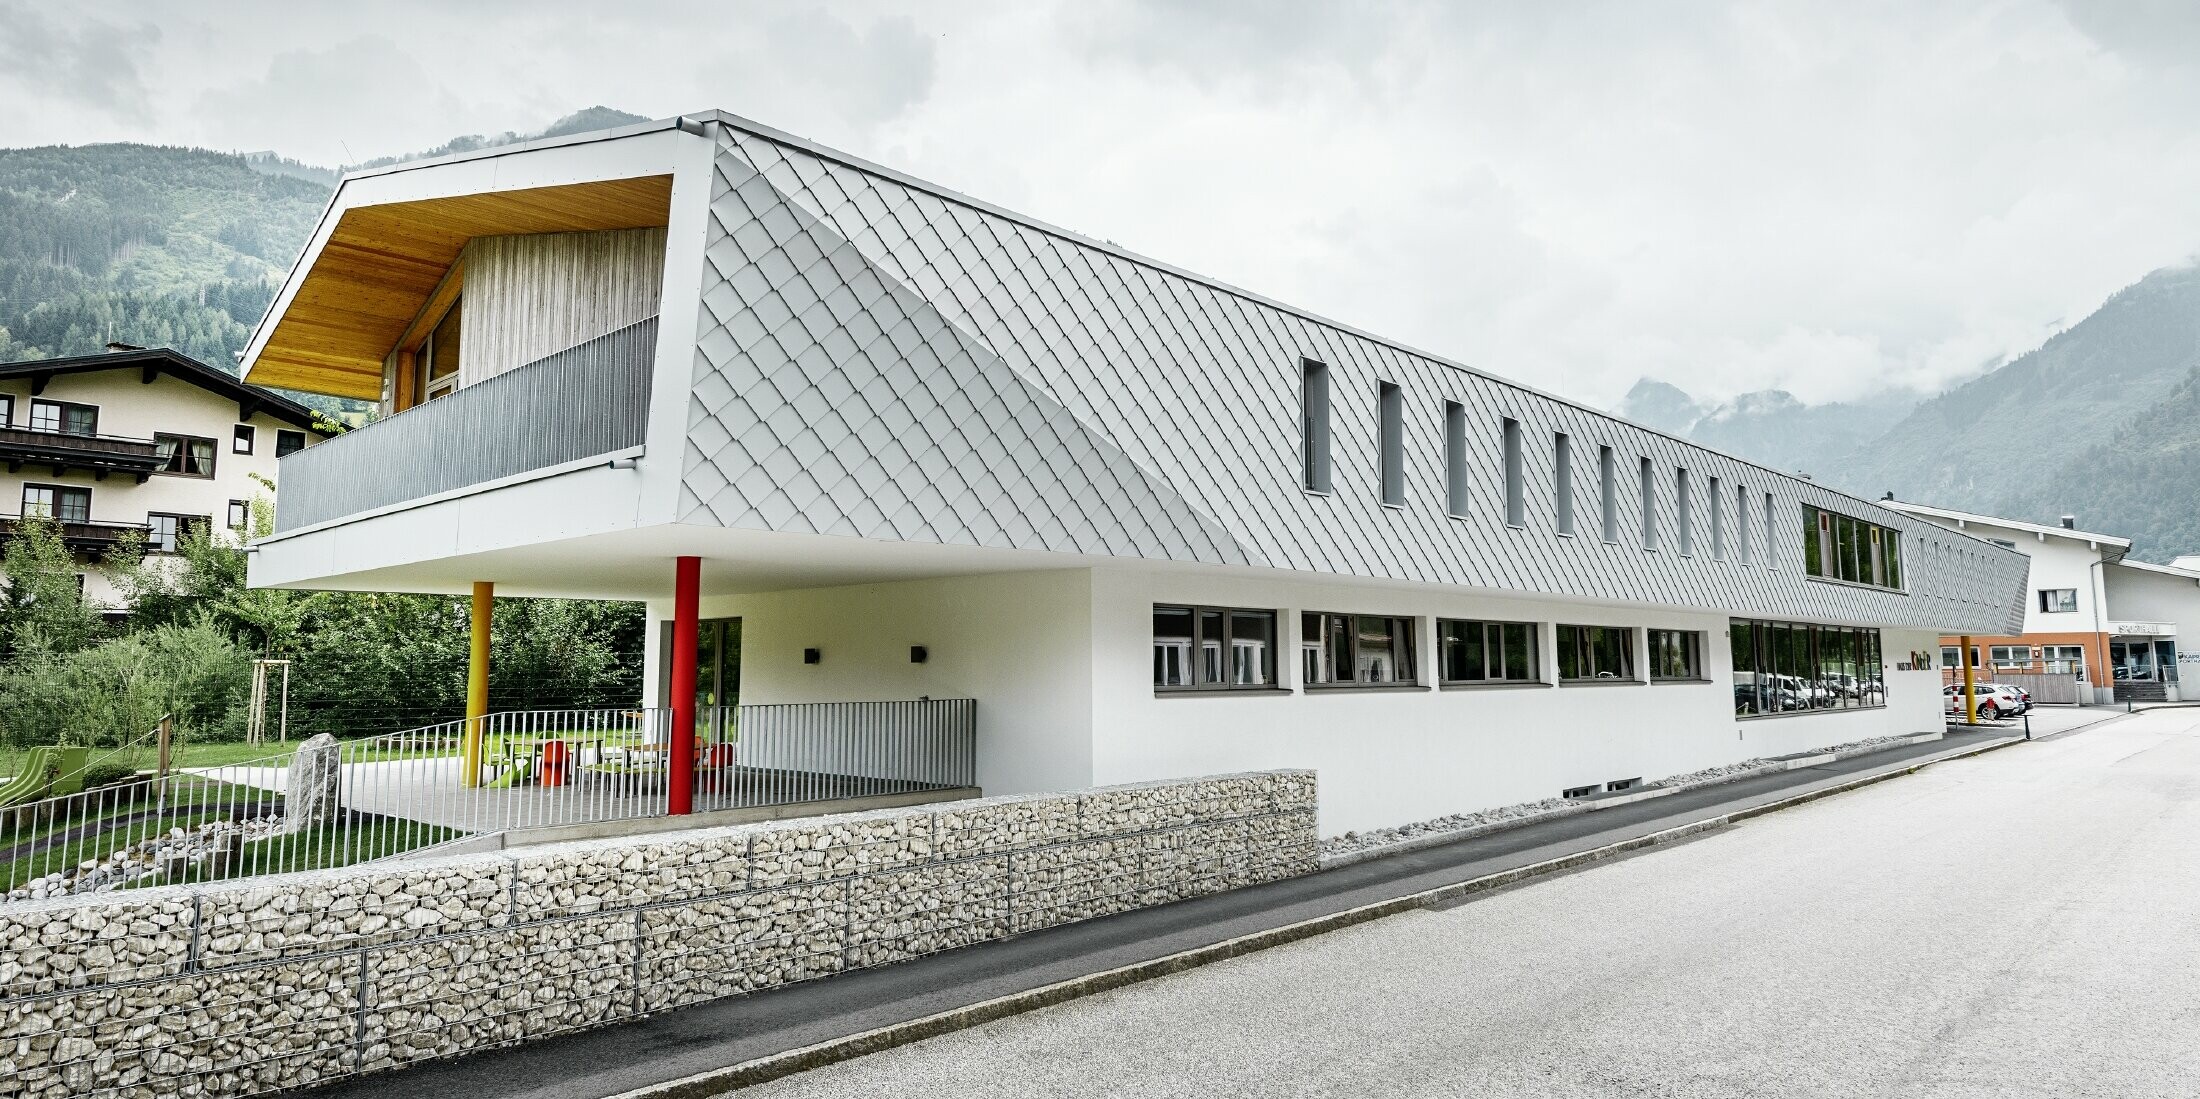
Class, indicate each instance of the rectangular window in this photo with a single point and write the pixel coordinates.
(1596, 654)
(1486, 652)
(1840, 547)
(2059, 600)
(1391, 431)
(185, 455)
(1213, 648)
(1793, 667)
(1357, 650)
(1456, 499)
(438, 356)
(1516, 489)
(1688, 532)
(1741, 524)
(1314, 425)
(2064, 659)
(1676, 655)
(1649, 506)
(1717, 496)
(240, 515)
(57, 502)
(1772, 540)
(240, 442)
(1562, 461)
(166, 532)
(2011, 656)
(1608, 492)
(289, 442)
(64, 418)
(7, 409)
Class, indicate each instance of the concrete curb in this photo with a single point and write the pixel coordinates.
(763, 1069)
(1766, 767)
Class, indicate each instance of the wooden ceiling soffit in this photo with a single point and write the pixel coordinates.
(369, 281)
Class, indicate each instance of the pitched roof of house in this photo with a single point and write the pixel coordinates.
(153, 363)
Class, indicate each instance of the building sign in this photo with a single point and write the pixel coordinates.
(2143, 629)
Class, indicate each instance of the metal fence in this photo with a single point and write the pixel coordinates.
(586, 400)
(334, 804)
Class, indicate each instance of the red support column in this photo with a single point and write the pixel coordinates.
(687, 576)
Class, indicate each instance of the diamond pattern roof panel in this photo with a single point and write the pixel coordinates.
(878, 357)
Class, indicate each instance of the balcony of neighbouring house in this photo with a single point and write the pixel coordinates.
(81, 535)
(586, 402)
(62, 451)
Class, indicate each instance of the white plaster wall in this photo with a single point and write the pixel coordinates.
(2141, 595)
(1388, 757)
(2057, 562)
(1019, 643)
(131, 408)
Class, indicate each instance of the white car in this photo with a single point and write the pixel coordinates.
(1995, 700)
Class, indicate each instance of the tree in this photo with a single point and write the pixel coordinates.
(44, 606)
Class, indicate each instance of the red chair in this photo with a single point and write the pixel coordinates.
(555, 758)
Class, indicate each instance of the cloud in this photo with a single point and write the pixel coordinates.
(91, 64)
(348, 102)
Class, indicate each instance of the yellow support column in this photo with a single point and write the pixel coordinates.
(1970, 681)
(477, 682)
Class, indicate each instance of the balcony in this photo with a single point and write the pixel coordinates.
(81, 536)
(583, 402)
(61, 451)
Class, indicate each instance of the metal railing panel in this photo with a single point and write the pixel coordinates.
(589, 399)
(404, 793)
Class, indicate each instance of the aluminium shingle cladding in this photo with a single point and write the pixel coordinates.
(879, 359)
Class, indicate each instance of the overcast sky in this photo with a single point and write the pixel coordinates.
(1833, 198)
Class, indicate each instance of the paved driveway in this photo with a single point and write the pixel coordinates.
(2026, 923)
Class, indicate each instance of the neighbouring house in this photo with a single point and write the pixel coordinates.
(2108, 623)
(855, 437)
(142, 441)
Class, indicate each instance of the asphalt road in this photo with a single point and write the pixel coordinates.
(2024, 923)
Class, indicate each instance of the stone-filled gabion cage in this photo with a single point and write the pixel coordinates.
(232, 990)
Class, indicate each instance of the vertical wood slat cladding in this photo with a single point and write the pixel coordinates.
(528, 296)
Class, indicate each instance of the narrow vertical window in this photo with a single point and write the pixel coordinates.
(1516, 492)
(1772, 538)
(1455, 458)
(1562, 458)
(1608, 492)
(1314, 425)
(1391, 435)
(1649, 506)
(1741, 524)
(1717, 496)
(1687, 530)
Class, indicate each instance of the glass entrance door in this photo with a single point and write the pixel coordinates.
(717, 676)
(2133, 659)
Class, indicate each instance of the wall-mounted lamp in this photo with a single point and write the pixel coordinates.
(810, 656)
(917, 654)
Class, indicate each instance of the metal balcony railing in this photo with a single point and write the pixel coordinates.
(584, 401)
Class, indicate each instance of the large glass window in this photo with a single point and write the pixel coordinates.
(1839, 547)
(1794, 667)
(1213, 648)
(1591, 654)
(1676, 655)
(1486, 652)
(1356, 650)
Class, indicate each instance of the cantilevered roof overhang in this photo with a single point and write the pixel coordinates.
(363, 279)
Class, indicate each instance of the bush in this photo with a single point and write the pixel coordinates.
(107, 772)
(114, 692)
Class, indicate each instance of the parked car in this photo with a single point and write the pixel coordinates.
(1810, 694)
(1994, 700)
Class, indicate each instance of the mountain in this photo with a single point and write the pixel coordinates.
(166, 246)
(2102, 421)
(1662, 406)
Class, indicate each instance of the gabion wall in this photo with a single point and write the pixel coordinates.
(239, 989)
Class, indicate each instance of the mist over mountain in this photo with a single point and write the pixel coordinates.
(2102, 421)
